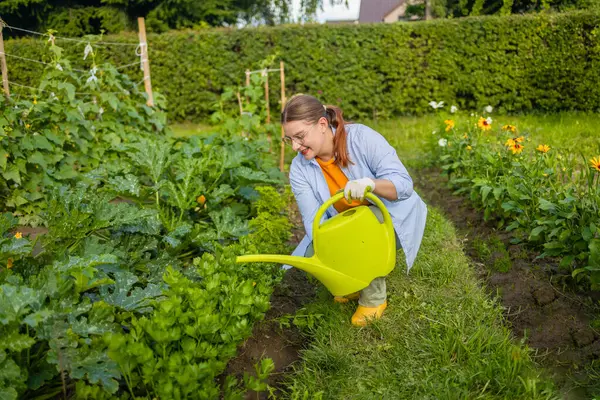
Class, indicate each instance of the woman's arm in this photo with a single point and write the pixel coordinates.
(305, 197)
(386, 189)
(392, 180)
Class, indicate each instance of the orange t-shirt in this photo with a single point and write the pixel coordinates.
(336, 180)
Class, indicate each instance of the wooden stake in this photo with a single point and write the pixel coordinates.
(282, 74)
(4, 67)
(239, 97)
(145, 61)
(266, 74)
(247, 84)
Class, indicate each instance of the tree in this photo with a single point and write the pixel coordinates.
(80, 17)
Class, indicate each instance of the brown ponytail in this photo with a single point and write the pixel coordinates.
(303, 107)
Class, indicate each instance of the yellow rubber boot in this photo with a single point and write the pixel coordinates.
(363, 314)
(345, 299)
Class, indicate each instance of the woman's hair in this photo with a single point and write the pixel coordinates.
(303, 107)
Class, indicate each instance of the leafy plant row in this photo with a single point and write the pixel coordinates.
(548, 198)
(131, 289)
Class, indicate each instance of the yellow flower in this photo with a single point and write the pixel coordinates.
(449, 124)
(253, 283)
(469, 148)
(510, 142)
(201, 199)
(516, 148)
(35, 100)
(18, 235)
(465, 136)
(510, 128)
(519, 139)
(9, 263)
(595, 163)
(484, 124)
(543, 148)
(27, 126)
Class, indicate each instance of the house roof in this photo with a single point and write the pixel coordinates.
(375, 10)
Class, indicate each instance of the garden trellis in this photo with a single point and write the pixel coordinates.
(140, 49)
(265, 72)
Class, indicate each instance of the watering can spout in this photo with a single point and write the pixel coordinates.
(308, 264)
(337, 282)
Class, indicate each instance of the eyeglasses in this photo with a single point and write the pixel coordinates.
(298, 139)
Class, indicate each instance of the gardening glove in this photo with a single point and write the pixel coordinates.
(357, 189)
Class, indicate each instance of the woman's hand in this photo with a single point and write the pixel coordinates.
(357, 189)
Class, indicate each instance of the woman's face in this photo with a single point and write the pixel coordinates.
(305, 137)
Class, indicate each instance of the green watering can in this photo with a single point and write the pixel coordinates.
(351, 249)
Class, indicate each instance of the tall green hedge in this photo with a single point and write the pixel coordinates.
(516, 63)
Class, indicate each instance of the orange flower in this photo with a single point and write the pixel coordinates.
(484, 123)
(449, 124)
(201, 199)
(9, 263)
(543, 148)
(510, 128)
(511, 142)
(18, 235)
(516, 148)
(595, 163)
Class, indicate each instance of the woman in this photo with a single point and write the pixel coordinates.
(333, 155)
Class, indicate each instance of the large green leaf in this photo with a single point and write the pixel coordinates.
(98, 368)
(228, 224)
(175, 237)
(246, 174)
(12, 173)
(127, 184)
(16, 302)
(40, 142)
(38, 158)
(16, 342)
(594, 247)
(124, 295)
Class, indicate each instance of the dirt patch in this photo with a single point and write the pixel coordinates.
(269, 338)
(555, 320)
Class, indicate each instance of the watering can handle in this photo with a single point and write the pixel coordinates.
(387, 219)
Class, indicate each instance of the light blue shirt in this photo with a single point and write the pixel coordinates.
(374, 158)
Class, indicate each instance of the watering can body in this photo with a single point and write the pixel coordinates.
(350, 249)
